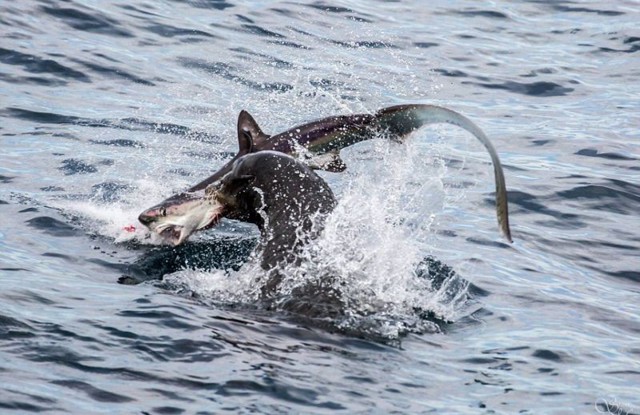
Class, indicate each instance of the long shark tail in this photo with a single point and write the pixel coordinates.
(403, 119)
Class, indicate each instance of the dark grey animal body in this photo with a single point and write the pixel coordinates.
(285, 198)
(289, 203)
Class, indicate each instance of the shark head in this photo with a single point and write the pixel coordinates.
(176, 218)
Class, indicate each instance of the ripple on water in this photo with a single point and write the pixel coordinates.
(617, 196)
(536, 89)
(75, 166)
(121, 142)
(590, 152)
(53, 226)
(230, 73)
(35, 64)
(12, 328)
(97, 394)
(129, 124)
(113, 72)
(90, 21)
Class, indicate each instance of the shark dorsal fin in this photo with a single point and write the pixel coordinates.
(248, 132)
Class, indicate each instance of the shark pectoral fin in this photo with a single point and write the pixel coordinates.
(330, 161)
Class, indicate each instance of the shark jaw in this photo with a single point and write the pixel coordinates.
(185, 214)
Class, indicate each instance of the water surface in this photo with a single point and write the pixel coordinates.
(107, 107)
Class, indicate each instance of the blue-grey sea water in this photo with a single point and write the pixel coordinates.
(107, 107)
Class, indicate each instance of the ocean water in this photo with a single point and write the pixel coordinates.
(107, 107)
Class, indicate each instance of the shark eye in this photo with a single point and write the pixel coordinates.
(163, 211)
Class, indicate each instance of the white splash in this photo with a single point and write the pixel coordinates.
(225, 287)
(372, 246)
(118, 220)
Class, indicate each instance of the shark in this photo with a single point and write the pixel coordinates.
(316, 144)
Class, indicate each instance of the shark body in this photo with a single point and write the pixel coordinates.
(317, 144)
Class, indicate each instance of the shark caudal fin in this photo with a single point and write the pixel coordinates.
(402, 119)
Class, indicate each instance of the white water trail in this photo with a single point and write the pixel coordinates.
(117, 220)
